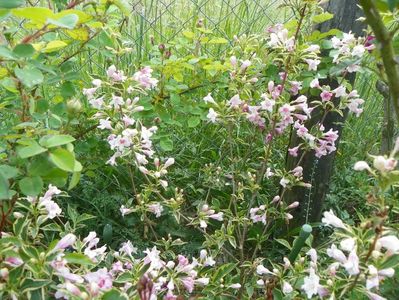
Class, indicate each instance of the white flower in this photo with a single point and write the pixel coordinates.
(352, 263)
(358, 50)
(313, 255)
(245, 64)
(235, 286)
(212, 115)
(336, 254)
(235, 101)
(128, 248)
(313, 48)
(348, 244)
(97, 82)
(170, 161)
(125, 211)
(284, 182)
(361, 166)
(105, 124)
(233, 61)
(67, 241)
(311, 284)
(208, 99)
(315, 83)
(330, 219)
(383, 164)
(261, 270)
(312, 63)
(202, 281)
(340, 91)
(389, 242)
(97, 103)
(287, 288)
(156, 209)
(260, 282)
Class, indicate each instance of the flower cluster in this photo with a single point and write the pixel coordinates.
(350, 50)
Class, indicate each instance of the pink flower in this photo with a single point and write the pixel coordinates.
(293, 151)
(235, 101)
(245, 64)
(188, 283)
(13, 261)
(212, 115)
(67, 241)
(326, 95)
(101, 278)
(312, 63)
(105, 124)
(352, 264)
(114, 74)
(156, 209)
(143, 77)
(315, 83)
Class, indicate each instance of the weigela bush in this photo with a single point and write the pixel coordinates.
(270, 84)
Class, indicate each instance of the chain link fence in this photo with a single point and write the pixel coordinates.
(165, 20)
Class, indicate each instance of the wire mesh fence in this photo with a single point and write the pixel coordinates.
(164, 20)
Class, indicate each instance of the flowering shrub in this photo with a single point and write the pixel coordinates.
(270, 84)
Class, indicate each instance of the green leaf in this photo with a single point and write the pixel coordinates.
(4, 188)
(6, 53)
(11, 3)
(29, 76)
(166, 144)
(124, 6)
(193, 121)
(284, 243)
(189, 34)
(322, 17)
(74, 180)
(54, 46)
(223, 271)
(50, 141)
(30, 284)
(67, 21)
(78, 258)
(63, 159)
(8, 171)
(24, 50)
(391, 262)
(30, 151)
(38, 15)
(107, 233)
(113, 294)
(31, 186)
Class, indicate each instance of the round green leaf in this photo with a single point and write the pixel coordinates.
(63, 159)
(29, 76)
(31, 186)
(193, 121)
(166, 144)
(24, 50)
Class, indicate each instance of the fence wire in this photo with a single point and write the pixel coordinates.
(164, 20)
